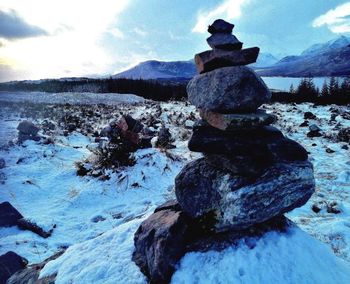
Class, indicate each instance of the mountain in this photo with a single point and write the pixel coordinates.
(264, 60)
(328, 59)
(320, 48)
(154, 69)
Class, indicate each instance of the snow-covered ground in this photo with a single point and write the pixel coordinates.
(97, 219)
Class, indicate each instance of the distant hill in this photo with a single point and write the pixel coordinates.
(328, 59)
(154, 69)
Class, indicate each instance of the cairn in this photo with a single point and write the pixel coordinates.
(249, 176)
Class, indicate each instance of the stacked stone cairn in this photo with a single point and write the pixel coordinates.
(250, 173)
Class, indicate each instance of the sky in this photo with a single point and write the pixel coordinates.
(71, 38)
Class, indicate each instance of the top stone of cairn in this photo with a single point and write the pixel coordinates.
(220, 26)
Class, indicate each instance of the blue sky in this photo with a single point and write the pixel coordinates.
(62, 38)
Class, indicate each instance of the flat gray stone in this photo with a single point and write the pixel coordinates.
(236, 203)
(237, 120)
(228, 90)
(224, 41)
(213, 59)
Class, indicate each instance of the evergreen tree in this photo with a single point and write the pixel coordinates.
(324, 91)
(291, 89)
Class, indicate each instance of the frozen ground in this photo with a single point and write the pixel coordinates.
(69, 98)
(97, 219)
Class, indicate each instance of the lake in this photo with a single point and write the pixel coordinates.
(283, 83)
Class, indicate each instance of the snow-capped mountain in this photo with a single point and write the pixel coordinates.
(154, 69)
(264, 60)
(328, 59)
(320, 48)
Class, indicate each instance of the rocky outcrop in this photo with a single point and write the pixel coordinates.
(9, 215)
(27, 130)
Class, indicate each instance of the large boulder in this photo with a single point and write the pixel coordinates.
(160, 242)
(236, 121)
(224, 41)
(213, 59)
(10, 263)
(227, 90)
(233, 202)
(28, 128)
(9, 215)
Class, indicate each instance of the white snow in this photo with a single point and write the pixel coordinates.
(45, 188)
(288, 258)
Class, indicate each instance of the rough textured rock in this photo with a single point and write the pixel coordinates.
(9, 216)
(243, 165)
(262, 143)
(28, 128)
(198, 238)
(160, 242)
(224, 41)
(2, 163)
(10, 263)
(220, 26)
(30, 275)
(213, 59)
(235, 202)
(227, 90)
(237, 120)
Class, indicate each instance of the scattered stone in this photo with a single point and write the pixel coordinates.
(234, 202)
(344, 135)
(220, 26)
(314, 128)
(333, 208)
(329, 150)
(2, 163)
(314, 131)
(228, 89)
(316, 208)
(237, 120)
(28, 128)
(9, 216)
(304, 124)
(25, 224)
(309, 115)
(224, 41)
(345, 147)
(164, 138)
(98, 218)
(10, 263)
(212, 59)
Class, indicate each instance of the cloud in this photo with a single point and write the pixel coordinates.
(337, 19)
(116, 32)
(140, 32)
(12, 26)
(229, 9)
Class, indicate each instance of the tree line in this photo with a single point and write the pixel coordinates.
(150, 89)
(333, 92)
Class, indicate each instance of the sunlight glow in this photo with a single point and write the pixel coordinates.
(73, 45)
